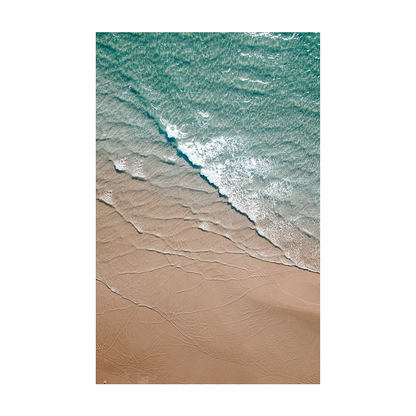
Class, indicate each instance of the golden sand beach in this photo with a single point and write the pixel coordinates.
(181, 297)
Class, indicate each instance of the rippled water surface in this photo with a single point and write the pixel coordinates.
(241, 108)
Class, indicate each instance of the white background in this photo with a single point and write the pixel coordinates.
(328, 26)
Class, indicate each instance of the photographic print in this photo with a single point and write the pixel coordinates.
(208, 208)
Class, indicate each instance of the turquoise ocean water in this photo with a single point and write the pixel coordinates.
(242, 108)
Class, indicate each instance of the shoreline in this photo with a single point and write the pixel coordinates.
(209, 314)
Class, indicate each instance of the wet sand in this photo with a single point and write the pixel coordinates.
(181, 298)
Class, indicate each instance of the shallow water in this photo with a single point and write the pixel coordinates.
(239, 109)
